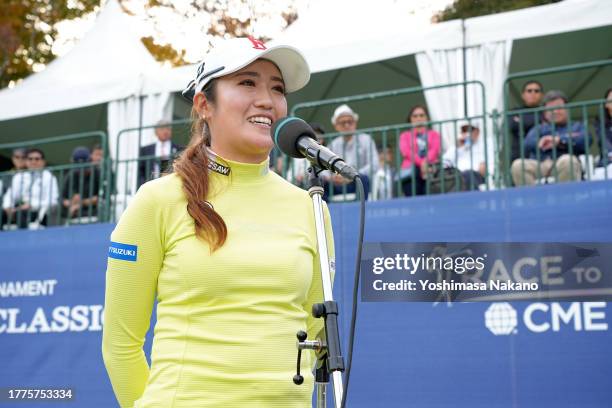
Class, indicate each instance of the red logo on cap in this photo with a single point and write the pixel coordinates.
(257, 44)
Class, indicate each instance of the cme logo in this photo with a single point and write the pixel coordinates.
(503, 319)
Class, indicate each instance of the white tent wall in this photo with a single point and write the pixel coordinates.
(446, 67)
(136, 112)
(487, 63)
(133, 113)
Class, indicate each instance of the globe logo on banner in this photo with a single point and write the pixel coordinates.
(500, 318)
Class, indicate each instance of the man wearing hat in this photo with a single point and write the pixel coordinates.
(155, 158)
(468, 156)
(357, 149)
(81, 186)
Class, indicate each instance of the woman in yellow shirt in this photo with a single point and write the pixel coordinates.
(225, 246)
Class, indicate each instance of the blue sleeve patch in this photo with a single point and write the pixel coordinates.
(125, 252)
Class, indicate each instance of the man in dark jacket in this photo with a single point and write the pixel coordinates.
(81, 188)
(552, 148)
(156, 157)
(521, 123)
(19, 164)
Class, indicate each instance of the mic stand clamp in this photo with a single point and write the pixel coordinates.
(329, 356)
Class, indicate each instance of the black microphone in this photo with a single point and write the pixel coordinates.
(295, 138)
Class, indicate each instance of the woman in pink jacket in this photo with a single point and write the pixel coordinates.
(419, 146)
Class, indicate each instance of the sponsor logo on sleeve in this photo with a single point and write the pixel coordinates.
(124, 252)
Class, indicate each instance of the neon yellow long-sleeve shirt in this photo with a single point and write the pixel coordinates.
(226, 321)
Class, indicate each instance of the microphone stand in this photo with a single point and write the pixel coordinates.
(329, 357)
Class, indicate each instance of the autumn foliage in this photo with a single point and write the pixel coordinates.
(28, 27)
(27, 33)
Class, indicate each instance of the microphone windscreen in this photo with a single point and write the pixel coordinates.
(287, 131)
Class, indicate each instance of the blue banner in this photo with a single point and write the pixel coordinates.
(487, 354)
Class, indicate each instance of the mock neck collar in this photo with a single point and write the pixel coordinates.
(237, 172)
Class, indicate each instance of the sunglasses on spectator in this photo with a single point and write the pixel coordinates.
(418, 115)
(35, 158)
(533, 90)
(346, 122)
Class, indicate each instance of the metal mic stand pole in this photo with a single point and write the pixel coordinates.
(329, 357)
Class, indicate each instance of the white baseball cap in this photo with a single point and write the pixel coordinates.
(465, 125)
(343, 110)
(236, 53)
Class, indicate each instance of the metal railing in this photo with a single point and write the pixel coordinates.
(102, 191)
(55, 195)
(10, 212)
(384, 129)
(439, 175)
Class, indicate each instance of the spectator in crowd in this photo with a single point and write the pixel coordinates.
(531, 97)
(18, 158)
(357, 150)
(419, 146)
(383, 184)
(552, 147)
(31, 194)
(603, 127)
(297, 171)
(157, 155)
(97, 154)
(469, 156)
(81, 187)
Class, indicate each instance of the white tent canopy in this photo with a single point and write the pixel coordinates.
(343, 34)
(112, 64)
(109, 63)
(346, 33)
